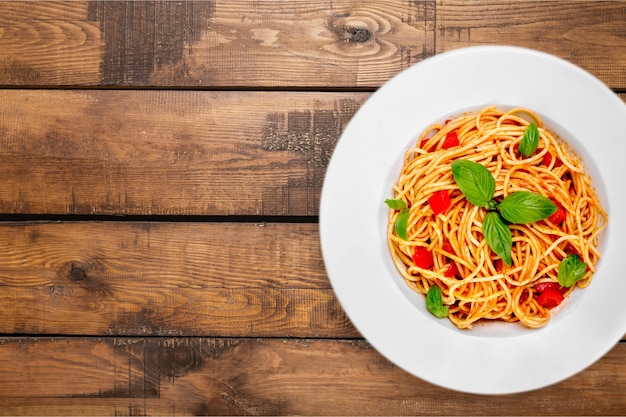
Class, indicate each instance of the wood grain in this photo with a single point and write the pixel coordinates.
(223, 376)
(310, 44)
(167, 152)
(589, 34)
(223, 43)
(126, 278)
(48, 43)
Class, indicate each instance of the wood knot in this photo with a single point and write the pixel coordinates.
(352, 29)
(355, 34)
(83, 275)
(77, 273)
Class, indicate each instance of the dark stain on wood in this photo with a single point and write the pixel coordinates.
(174, 357)
(137, 387)
(15, 72)
(141, 36)
(310, 134)
(163, 360)
(425, 13)
(143, 323)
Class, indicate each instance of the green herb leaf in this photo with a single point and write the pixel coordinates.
(475, 181)
(498, 236)
(571, 270)
(434, 302)
(530, 140)
(523, 207)
(396, 204)
(401, 224)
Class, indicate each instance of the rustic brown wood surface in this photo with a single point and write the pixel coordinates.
(168, 152)
(162, 164)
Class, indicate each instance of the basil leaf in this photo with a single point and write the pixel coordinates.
(523, 207)
(475, 181)
(401, 224)
(396, 204)
(571, 270)
(530, 140)
(434, 302)
(498, 236)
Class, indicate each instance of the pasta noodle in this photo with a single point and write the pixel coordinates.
(475, 283)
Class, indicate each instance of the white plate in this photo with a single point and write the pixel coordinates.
(489, 359)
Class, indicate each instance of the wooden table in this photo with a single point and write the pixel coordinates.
(161, 171)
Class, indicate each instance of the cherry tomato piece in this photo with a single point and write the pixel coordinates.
(550, 298)
(439, 201)
(451, 140)
(498, 264)
(523, 297)
(547, 158)
(448, 248)
(559, 215)
(422, 257)
(452, 270)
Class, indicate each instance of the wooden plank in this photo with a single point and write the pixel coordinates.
(125, 278)
(167, 152)
(206, 376)
(217, 43)
(148, 278)
(329, 44)
(591, 34)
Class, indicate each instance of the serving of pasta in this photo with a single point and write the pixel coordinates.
(493, 217)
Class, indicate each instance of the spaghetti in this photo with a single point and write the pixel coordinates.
(441, 241)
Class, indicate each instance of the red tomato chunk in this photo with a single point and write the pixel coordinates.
(547, 158)
(559, 216)
(439, 201)
(451, 140)
(423, 257)
(550, 298)
(447, 246)
(452, 270)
